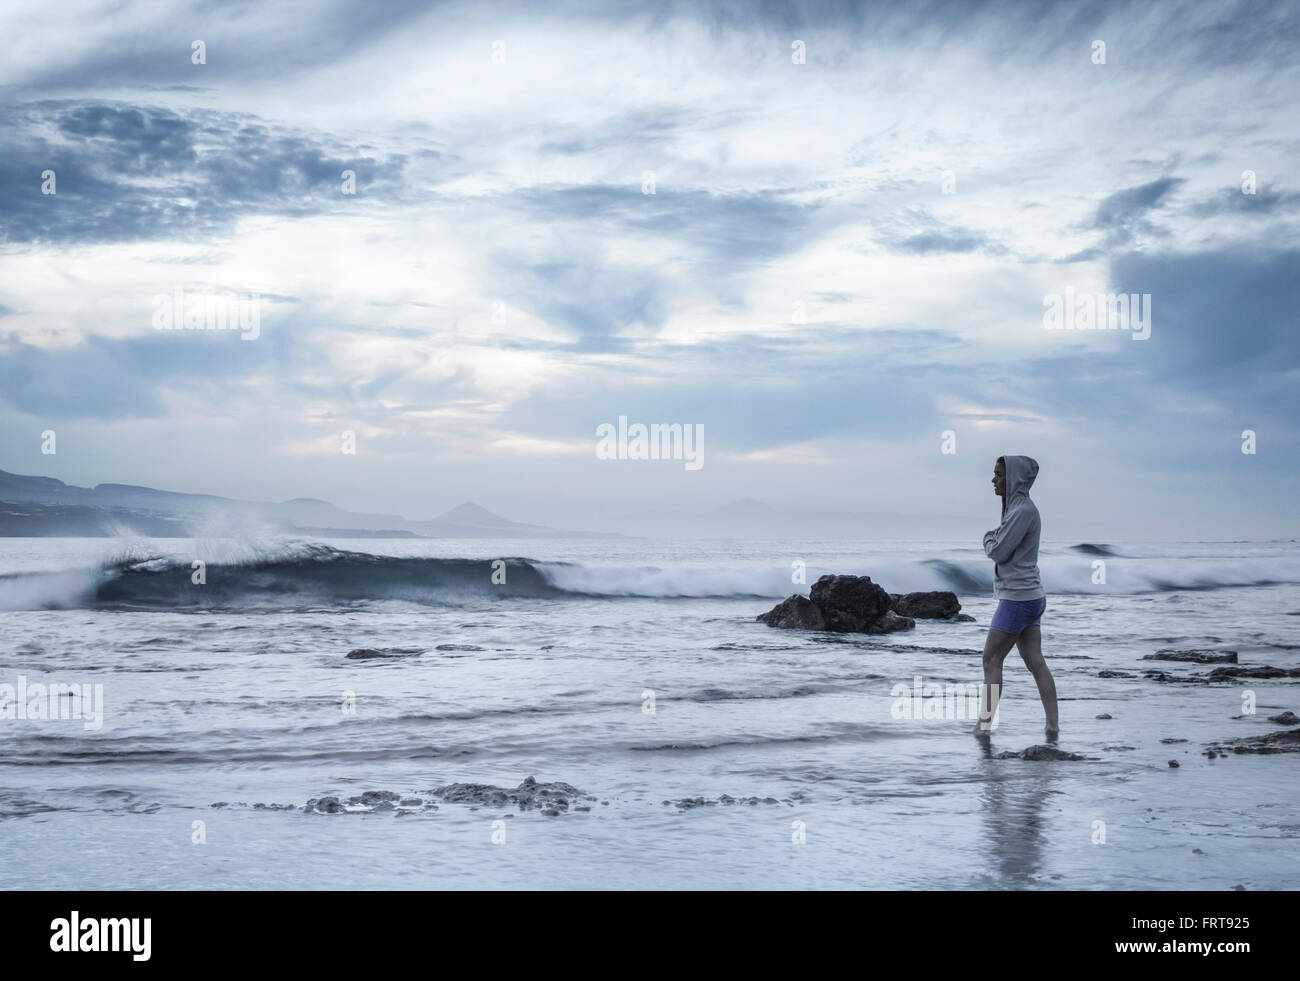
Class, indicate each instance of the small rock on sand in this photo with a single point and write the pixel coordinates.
(375, 653)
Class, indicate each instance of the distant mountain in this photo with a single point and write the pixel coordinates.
(46, 507)
(469, 520)
(749, 507)
(472, 515)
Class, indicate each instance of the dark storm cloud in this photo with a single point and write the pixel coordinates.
(1222, 333)
(1123, 214)
(1122, 209)
(127, 173)
(1224, 319)
(1264, 202)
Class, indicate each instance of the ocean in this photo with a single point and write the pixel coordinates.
(237, 745)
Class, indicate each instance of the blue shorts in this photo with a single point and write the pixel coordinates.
(1013, 616)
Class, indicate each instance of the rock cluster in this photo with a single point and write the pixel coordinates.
(856, 605)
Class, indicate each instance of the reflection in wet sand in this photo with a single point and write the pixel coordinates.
(1011, 803)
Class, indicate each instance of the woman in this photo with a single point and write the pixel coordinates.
(1013, 547)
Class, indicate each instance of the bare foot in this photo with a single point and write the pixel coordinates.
(1052, 734)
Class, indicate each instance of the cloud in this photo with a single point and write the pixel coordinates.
(129, 173)
(103, 378)
(1233, 202)
(777, 185)
(920, 233)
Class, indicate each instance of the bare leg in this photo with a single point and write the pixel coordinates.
(996, 648)
(1030, 645)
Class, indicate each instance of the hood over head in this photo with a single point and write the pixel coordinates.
(1021, 471)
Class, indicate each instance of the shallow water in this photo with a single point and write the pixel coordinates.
(237, 695)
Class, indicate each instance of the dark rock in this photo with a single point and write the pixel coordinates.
(1174, 763)
(1285, 719)
(887, 624)
(934, 605)
(1114, 674)
(324, 805)
(1162, 676)
(1284, 741)
(962, 618)
(1171, 739)
(1105, 715)
(1195, 656)
(849, 603)
(372, 797)
(795, 613)
(365, 654)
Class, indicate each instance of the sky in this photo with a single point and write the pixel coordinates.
(859, 214)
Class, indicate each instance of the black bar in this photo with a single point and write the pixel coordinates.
(528, 932)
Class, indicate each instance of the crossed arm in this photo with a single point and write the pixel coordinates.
(1000, 544)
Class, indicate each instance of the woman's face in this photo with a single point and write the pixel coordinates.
(1000, 479)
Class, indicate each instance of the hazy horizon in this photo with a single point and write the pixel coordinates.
(859, 216)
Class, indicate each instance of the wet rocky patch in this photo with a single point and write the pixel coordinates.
(1040, 752)
(552, 799)
(1224, 674)
(1194, 656)
(726, 800)
(1282, 741)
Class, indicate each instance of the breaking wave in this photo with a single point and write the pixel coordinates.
(307, 574)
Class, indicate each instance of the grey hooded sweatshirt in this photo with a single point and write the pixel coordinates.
(1013, 545)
